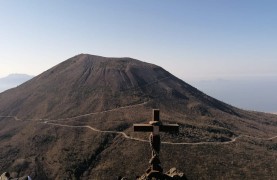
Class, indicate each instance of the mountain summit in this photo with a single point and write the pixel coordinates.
(86, 83)
(74, 121)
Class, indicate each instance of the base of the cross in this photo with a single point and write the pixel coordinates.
(156, 175)
(155, 126)
(172, 174)
(155, 164)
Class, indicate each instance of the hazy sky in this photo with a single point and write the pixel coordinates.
(190, 38)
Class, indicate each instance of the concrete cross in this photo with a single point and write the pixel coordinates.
(155, 126)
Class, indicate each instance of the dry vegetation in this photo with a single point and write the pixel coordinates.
(86, 84)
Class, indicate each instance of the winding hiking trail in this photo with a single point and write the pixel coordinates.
(97, 130)
(13, 117)
(76, 117)
(93, 113)
(137, 139)
(163, 142)
(51, 122)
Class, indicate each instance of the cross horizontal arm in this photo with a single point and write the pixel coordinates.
(143, 127)
(162, 128)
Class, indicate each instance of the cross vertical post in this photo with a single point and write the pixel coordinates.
(155, 127)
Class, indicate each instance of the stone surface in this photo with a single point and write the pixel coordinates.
(7, 176)
(172, 174)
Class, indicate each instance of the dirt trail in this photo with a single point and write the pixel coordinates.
(51, 122)
(75, 117)
(163, 142)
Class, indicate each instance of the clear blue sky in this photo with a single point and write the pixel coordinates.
(190, 38)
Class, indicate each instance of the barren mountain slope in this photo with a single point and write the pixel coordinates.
(66, 123)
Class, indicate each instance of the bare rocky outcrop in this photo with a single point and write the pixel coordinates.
(7, 176)
(172, 174)
(176, 174)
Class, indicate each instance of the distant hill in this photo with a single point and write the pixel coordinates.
(74, 121)
(251, 93)
(13, 80)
